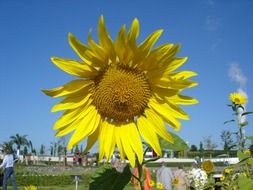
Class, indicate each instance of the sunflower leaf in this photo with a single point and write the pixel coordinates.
(232, 120)
(179, 143)
(245, 183)
(107, 177)
(246, 113)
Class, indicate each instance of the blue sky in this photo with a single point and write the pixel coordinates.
(216, 35)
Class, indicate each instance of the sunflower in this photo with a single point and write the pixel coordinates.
(175, 181)
(151, 183)
(159, 185)
(228, 170)
(124, 92)
(208, 166)
(30, 187)
(237, 98)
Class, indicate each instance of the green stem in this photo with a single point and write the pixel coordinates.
(140, 171)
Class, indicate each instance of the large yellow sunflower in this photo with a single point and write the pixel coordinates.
(237, 98)
(124, 92)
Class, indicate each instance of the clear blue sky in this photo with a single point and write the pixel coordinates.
(216, 35)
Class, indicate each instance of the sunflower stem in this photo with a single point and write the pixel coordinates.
(140, 171)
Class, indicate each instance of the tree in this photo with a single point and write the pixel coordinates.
(19, 140)
(201, 148)
(25, 150)
(194, 148)
(209, 144)
(42, 149)
(227, 139)
(7, 146)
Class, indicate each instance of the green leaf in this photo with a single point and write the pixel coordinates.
(107, 177)
(232, 120)
(245, 183)
(242, 157)
(179, 144)
(247, 113)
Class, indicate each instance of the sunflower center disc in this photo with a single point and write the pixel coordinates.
(121, 94)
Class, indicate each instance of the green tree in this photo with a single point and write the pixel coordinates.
(42, 149)
(194, 148)
(227, 139)
(19, 140)
(7, 146)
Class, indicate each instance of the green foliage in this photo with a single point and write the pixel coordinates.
(179, 144)
(247, 113)
(245, 183)
(39, 180)
(107, 177)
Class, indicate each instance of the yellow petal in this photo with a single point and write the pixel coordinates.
(133, 33)
(96, 49)
(69, 88)
(182, 100)
(163, 110)
(159, 128)
(79, 48)
(177, 111)
(65, 129)
(92, 139)
(183, 75)
(135, 141)
(72, 115)
(161, 93)
(119, 143)
(174, 84)
(71, 102)
(122, 131)
(148, 43)
(84, 128)
(107, 139)
(75, 68)
(148, 133)
(104, 37)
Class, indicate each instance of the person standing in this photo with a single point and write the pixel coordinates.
(165, 176)
(7, 164)
(181, 178)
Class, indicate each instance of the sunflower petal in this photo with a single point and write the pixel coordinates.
(71, 102)
(119, 143)
(135, 140)
(159, 128)
(133, 33)
(107, 139)
(148, 43)
(92, 139)
(69, 88)
(79, 48)
(74, 67)
(183, 75)
(148, 133)
(123, 133)
(72, 115)
(84, 128)
(182, 100)
(163, 110)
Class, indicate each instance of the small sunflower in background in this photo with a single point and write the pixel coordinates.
(159, 186)
(124, 93)
(208, 166)
(30, 187)
(151, 183)
(228, 170)
(237, 98)
(175, 181)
